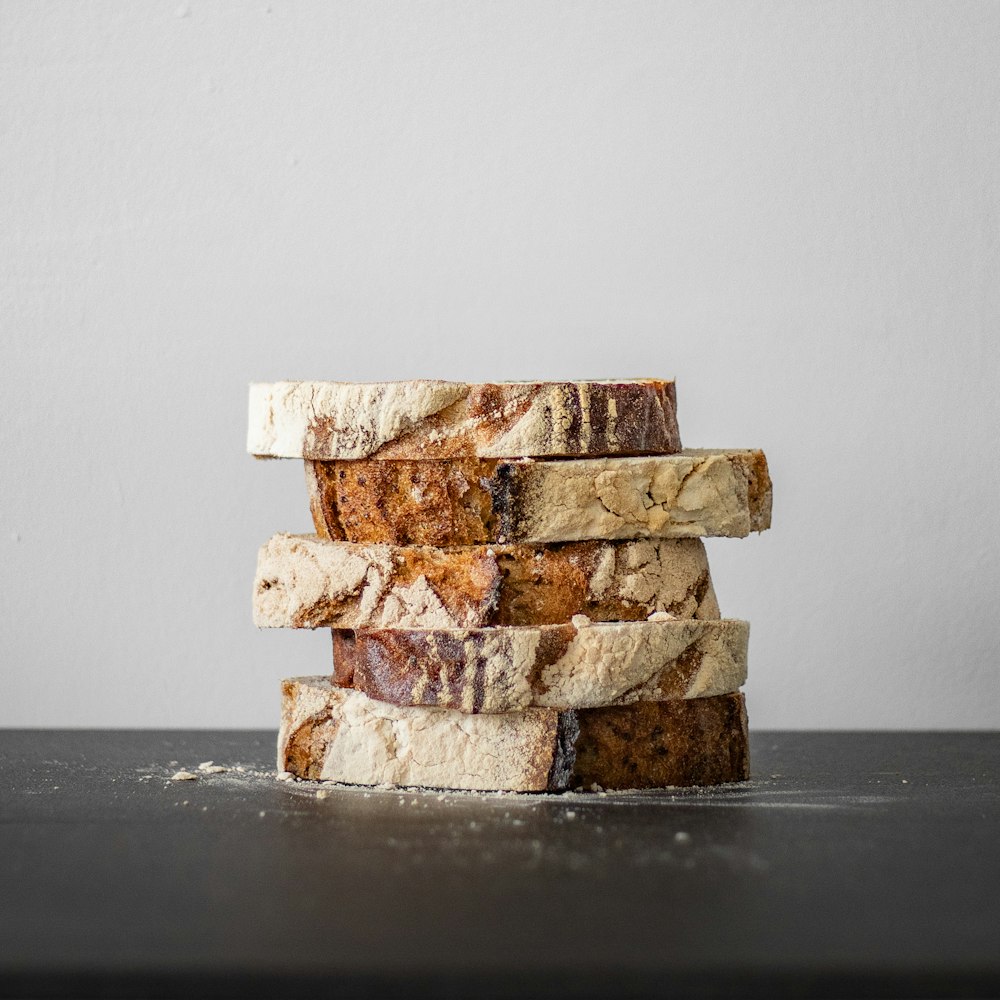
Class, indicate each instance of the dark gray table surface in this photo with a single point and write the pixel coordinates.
(854, 864)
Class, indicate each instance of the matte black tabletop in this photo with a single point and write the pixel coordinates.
(854, 864)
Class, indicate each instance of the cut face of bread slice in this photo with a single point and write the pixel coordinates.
(308, 582)
(580, 665)
(333, 734)
(433, 419)
(693, 494)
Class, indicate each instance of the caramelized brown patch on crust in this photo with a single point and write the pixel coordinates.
(344, 656)
(496, 408)
(402, 502)
(543, 585)
(409, 667)
(759, 492)
(701, 741)
(674, 683)
(541, 760)
(552, 646)
(323, 500)
(467, 581)
(304, 749)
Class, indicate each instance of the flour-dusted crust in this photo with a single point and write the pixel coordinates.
(304, 581)
(333, 734)
(696, 493)
(578, 665)
(426, 419)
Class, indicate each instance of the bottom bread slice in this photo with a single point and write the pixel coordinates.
(337, 734)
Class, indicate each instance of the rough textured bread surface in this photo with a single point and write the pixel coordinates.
(434, 419)
(658, 744)
(580, 665)
(307, 582)
(341, 735)
(698, 492)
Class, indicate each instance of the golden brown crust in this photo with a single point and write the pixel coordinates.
(403, 502)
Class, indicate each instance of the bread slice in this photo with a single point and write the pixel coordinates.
(307, 582)
(478, 501)
(579, 665)
(335, 734)
(433, 419)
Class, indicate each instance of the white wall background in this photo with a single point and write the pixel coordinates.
(791, 207)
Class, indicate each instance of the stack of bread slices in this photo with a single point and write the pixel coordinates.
(516, 585)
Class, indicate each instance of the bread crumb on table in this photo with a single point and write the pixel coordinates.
(210, 767)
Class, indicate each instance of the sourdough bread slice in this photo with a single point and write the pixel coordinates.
(434, 419)
(334, 734)
(307, 582)
(478, 501)
(579, 665)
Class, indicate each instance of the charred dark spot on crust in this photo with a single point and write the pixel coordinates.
(505, 489)
(564, 758)
(478, 685)
(645, 419)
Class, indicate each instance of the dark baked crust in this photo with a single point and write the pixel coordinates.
(702, 741)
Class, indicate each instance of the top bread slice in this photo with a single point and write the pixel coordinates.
(426, 419)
